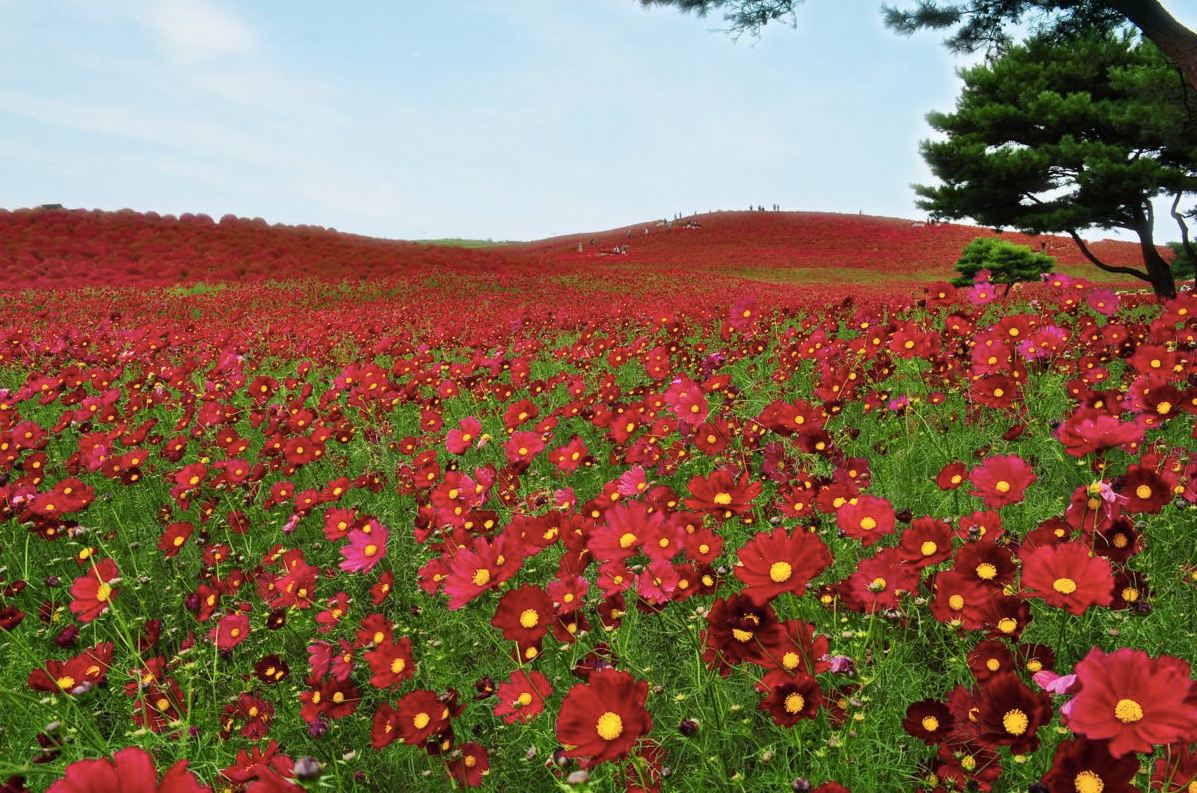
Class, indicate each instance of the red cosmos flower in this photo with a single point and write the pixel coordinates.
(986, 561)
(802, 650)
(524, 615)
(1144, 490)
(173, 537)
(1010, 713)
(522, 446)
(1068, 576)
(1082, 766)
(522, 696)
(1135, 701)
(467, 432)
(994, 390)
(391, 663)
(880, 579)
(928, 720)
(688, 401)
(422, 715)
(471, 766)
(384, 726)
(75, 676)
(1088, 430)
(93, 591)
(230, 631)
(1002, 480)
(601, 719)
(928, 541)
(365, 549)
(129, 770)
(625, 528)
(779, 562)
(960, 601)
(478, 568)
(867, 520)
(721, 494)
(989, 658)
(739, 629)
(951, 476)
(790, 698)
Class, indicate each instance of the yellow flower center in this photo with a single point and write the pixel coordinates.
(722, 499)
(968, 762)
(780, 572)
(524, 699)
(1065, 586)
(66, 682)
(1143, 492)
(369, 551)
(398, 665)
(956, 602)
(103, 592)
(930, 723)
(1007, 625)
(609, 726)
(867, 523)
(1128, 711)
(928, 548)
(790, 660)
(993, 664)
(626, 539)
(741, 635)
(795, 703)
(1088, 782)
(421, 720)
(1002, 486)
(529, 618)
(1163, 408)
(481, 577)
(986, 571)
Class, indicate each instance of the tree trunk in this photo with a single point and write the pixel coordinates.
(1159, 272)
(1175, 40)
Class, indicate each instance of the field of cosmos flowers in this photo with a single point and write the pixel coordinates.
(760, 504)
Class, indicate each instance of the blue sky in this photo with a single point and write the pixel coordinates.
(503, 119)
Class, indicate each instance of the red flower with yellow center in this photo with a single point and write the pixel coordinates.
(773, 563)
(93, 592)
(1068, 576)
(1002, 480)
(603, 718)
(1134, 701)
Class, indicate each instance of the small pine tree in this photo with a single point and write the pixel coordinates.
(1183, 265)
(1007, 262)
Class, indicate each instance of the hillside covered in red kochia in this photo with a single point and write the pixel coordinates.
(814, 240)
(51, 248)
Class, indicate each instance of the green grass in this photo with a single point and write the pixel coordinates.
(460, 242)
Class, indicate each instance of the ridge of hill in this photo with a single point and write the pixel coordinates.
(49, 248)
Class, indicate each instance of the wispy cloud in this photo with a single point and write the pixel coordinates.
(188, 31)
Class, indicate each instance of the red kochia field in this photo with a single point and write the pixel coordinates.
(285, 509)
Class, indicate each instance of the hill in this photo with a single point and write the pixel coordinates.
(67, 248)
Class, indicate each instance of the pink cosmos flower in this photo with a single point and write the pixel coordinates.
(365, 549)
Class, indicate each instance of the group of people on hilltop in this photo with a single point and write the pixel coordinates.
(761, 208)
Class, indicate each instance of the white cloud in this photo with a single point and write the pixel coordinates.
(197, 30)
